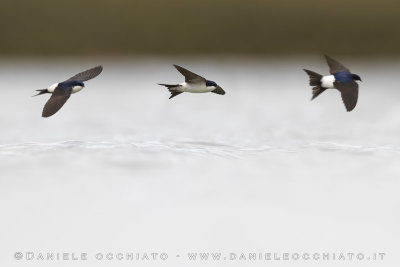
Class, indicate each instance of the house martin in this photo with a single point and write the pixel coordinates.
(341, 79)
(60, 92)
(193, 83)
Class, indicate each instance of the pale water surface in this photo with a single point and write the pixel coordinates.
(121, 168)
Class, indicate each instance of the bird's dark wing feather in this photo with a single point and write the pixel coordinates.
(349, 93)
(87, 74)
(56, 101)
(335, 66)
(190, 77)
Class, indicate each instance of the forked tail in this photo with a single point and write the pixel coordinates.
(172, 88)
(41, 92)
(315, 80)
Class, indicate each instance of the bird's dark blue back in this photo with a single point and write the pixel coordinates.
(68, 85)
(343, 76)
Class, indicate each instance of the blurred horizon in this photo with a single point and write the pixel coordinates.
(162, 28)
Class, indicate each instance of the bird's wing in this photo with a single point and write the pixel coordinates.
(190, 77)
(335, 66)
(349, 93)
(56, 101)
(87, 74)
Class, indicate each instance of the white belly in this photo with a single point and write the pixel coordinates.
(196, 88)
(327, 81)
(76, 89)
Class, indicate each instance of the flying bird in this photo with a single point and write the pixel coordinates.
(193, 83)
(341, 79)
(60, 92)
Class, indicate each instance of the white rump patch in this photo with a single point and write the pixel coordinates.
(327, 81)
(52, 88)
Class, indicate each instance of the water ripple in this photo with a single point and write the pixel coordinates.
(190, 147)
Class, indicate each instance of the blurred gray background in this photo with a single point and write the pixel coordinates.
(255, 27)
(121, 168)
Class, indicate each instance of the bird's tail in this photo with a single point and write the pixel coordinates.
(41, 92)
(315, 80)
(316, 91)
(172, 88)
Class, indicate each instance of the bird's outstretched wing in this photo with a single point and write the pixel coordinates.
(335, 66)
(349, 93)
(56, 101)
(87, 74)
(190, 77)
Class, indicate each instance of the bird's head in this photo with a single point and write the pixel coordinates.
(77, 83)
(211, 83)
(356, 77)
(215, 87)
(71, 84)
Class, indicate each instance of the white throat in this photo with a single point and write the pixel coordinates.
(76, 89)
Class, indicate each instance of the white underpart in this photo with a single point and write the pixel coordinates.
(327, 81)
(196, 88)
(76, 89)
(52, 88)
